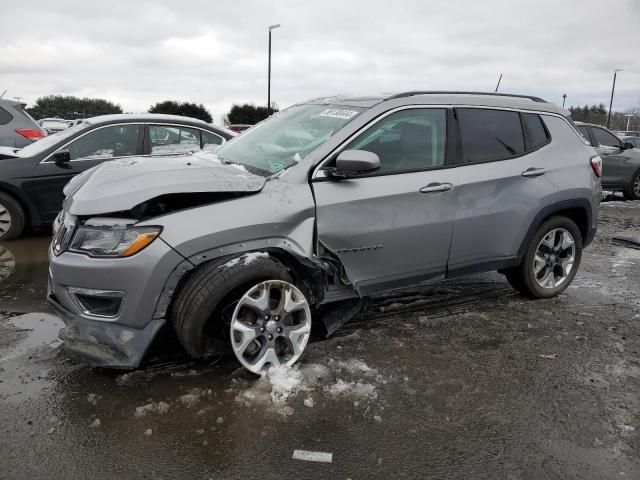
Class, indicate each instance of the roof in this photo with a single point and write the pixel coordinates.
(440, 97)
(135, 117)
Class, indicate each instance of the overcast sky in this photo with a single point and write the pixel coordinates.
(136, 53)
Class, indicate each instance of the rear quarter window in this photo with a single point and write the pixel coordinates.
(5, 117)
(537, 134)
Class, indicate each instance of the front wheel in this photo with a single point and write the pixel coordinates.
(632, 192)
(249, 303)
(551, 260)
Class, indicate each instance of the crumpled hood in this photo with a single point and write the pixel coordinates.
(119, 185)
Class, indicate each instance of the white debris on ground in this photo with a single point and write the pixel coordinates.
(278, 386)
(153, 407)
(95, 423)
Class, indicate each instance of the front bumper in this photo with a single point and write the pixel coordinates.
(104, 344)
(121, 340)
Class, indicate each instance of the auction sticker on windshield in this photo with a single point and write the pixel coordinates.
(338, 113)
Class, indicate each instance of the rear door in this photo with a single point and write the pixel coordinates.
(500, 177)
(614, 171)
(86, 151)
(392, 228)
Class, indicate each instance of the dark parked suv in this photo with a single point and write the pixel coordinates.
(32, 178)
(620, 160)
(332, 199)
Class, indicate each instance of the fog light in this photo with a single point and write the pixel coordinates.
(97, 303)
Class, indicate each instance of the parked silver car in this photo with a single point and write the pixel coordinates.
(328, 200)
(17, 128)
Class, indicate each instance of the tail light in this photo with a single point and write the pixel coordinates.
(32, 134)
(596, 165)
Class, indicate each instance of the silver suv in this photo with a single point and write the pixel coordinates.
(17, 128)
(330, 200)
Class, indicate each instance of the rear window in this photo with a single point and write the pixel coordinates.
(5, 117)
(489, 135)
(537, 135)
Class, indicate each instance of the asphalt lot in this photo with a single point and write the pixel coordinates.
(464, 379)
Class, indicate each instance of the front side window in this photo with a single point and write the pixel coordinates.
(165, 140)
(406, 140)
(604, 138)
(489, 135)
(107, 142)
(287, 137)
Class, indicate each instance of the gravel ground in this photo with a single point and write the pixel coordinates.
(462, 379)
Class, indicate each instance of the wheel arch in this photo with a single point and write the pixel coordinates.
(578, 210)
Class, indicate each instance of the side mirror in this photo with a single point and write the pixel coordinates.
(62, 156)
(628, 146)
(353, 163)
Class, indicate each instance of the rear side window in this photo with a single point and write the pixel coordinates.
(5, 117)
(537, 135)
(489, 135)
(209, 139)
(605, 138)
(165, 139)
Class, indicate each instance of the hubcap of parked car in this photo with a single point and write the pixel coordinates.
(270, 325)
(554, 258)
(636, 186)
(5, 220)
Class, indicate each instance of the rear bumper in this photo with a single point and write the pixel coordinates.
(104, 344)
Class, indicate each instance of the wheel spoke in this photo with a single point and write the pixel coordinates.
(566, 241)
(548, 281)
(259, 304)
(248, 336)
(268, 355)
(549, 240)
(290, 304)
(538, 264)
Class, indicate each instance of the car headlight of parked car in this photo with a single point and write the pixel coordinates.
(112, 241)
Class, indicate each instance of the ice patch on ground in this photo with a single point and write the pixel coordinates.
(153, 407)
(279, 386)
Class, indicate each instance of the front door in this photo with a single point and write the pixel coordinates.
(86, 151)
(615, 173)
(392, 228)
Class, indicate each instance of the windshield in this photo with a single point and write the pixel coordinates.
(51, 140)
(286, 138)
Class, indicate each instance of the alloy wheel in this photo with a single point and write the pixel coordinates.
(5, 220)
(554, 258)
(270, 326)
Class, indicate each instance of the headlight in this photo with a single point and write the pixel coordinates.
(112, 242)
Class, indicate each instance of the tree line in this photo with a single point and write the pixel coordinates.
(72, 108)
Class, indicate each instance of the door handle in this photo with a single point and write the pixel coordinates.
(533, 172)
(436, 187)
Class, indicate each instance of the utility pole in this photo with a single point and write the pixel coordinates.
(613, 89)
(498, 85)
(629, 117)
(271, 27)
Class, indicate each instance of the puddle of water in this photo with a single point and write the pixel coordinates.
(23, 275)
(41, 330)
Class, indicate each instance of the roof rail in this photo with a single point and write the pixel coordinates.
(453, 92)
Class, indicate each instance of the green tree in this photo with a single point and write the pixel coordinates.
(247, 113)
(71, 108)
(184, 109)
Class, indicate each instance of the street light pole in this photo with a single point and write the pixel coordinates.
(613, 88)
(629, 117)
(564, 98)
(271, 27)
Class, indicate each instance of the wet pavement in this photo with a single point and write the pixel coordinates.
(462, 379)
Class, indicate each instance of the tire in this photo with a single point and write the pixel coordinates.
(12, 218)
(197, 310)
(632, 192)
(523, 277)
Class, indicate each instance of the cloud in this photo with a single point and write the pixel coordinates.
(138, 53)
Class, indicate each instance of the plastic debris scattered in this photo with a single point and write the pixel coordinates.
(312, 456)
(95, 423)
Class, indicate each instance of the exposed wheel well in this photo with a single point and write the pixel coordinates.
(578, 215)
